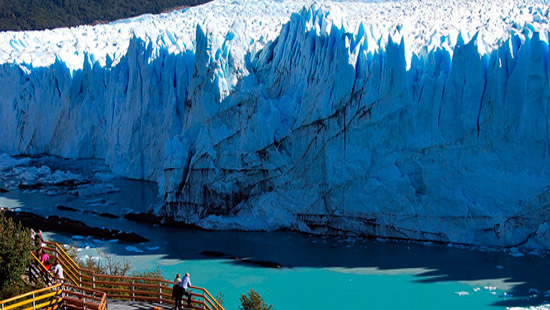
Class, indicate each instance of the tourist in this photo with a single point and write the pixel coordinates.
(185, 284)
(177, 292)
(57, 271)
(48, 265)
(41, 238)
(43, 256)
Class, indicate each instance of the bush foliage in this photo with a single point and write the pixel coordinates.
(253, 302)
(48, 14)
(15, 246)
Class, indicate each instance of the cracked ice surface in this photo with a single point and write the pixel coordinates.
(421, 120)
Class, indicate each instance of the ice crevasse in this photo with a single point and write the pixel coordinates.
(320, 129)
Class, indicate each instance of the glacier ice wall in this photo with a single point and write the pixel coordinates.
(320, 130)
(122, 113)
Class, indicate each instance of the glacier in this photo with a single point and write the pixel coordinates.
(406, 120)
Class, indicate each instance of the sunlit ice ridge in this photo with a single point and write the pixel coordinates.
(417, 120)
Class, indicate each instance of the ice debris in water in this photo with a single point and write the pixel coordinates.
(7, 162)
(131, 248)
(515, 252)
(541, 307)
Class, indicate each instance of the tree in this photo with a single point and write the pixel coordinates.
(15, 247)
(253, 302)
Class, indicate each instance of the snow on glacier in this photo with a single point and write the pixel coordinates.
(421, 120)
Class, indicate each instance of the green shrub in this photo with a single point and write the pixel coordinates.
(106, 263)
(220, 298)
(253, 302)
(15, 246)
(154, 273)
(14, 290)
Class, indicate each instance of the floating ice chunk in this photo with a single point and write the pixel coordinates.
(533, 292)
(51, 192)
(62, 176)
(490, 288)
(7, 162)
(94, 189)
(153, 248)
(130, 248)
(535, 253)
(476, 289)
(100, 202)
(541, 307)
(515, 252)
(462, 293)
(29, 175)
(104, 176)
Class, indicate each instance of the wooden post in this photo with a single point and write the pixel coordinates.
(133, 290)
(160, 293)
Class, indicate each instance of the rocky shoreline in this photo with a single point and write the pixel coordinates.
(69, 226)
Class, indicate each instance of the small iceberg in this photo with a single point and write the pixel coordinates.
(133, 249)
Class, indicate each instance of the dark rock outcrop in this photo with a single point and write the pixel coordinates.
(151, 218)
(248, 261)
(66, 225)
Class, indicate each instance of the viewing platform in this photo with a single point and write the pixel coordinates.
(82, 288)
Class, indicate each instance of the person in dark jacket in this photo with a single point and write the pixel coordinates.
(177, 292)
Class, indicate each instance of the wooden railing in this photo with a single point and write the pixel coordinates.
(76, 298)
(38, 270)
(48, 298)
(60, 295)
(127, 288)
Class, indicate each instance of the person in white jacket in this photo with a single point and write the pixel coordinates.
(57, 271)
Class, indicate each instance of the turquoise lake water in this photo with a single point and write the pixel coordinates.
(332, 273)
(317, 272)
